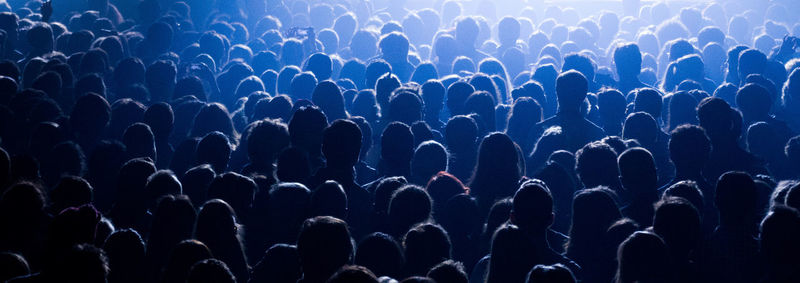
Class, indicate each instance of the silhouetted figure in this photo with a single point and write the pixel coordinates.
(571, 88)
(730, 253)
(324, 246)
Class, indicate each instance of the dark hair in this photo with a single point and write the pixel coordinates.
(324, 246)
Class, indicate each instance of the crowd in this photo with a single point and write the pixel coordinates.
(238, 141)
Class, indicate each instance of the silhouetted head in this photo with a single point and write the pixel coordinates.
(380, 253)
(329, 199)
(425, 246)
(15, 265)
(280, 263)
(736, 198)
(84, 263)
(408, 206)
(324, 246)
(594, 210)
(642, 257)
(512, 253)
(265, 139)
(397, 145)
(571, 89)
(677, 221)
(779, 249)
(754, 101)
(596, 165)
(182, 257)
(689, 148)
(532, 207)
(716, 117)
(628, 60)
(214, 149)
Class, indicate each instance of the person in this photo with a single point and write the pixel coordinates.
(781, 224)
(341, 145)
(571, 89)
(730, 252)
(498, 161)
(394, 49)
(677, 222)
(324, 246)
(637, 172)
(594, 211)
(532, 212)
(723, 127)
(425, 245)
(140, 139)
(216, 227)
(627, 58)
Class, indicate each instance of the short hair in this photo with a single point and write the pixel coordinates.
(571, 89)
(688, 144)
(409, 205)
(266, 138)
(595, 162)
(341, 142)
(736, 196)
(628, 59)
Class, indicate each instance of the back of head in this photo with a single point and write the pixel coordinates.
(689, 146)
(637, 171)
(397, 143)
(329, 199)
(532, 207)
(380, 253)
(425, 246)
(778, 231)
(280, 263)
(408, 206)
(596, 164)
(677, 221)
(642, 257)
(571, 89)
(628, 60)
(341, 143)
(84, 263)
(512, 255)
(754, 101)
(736, 198)
(215, 149)
(324, 246)
(715, 116)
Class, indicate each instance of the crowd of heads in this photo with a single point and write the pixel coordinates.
(399, 141)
